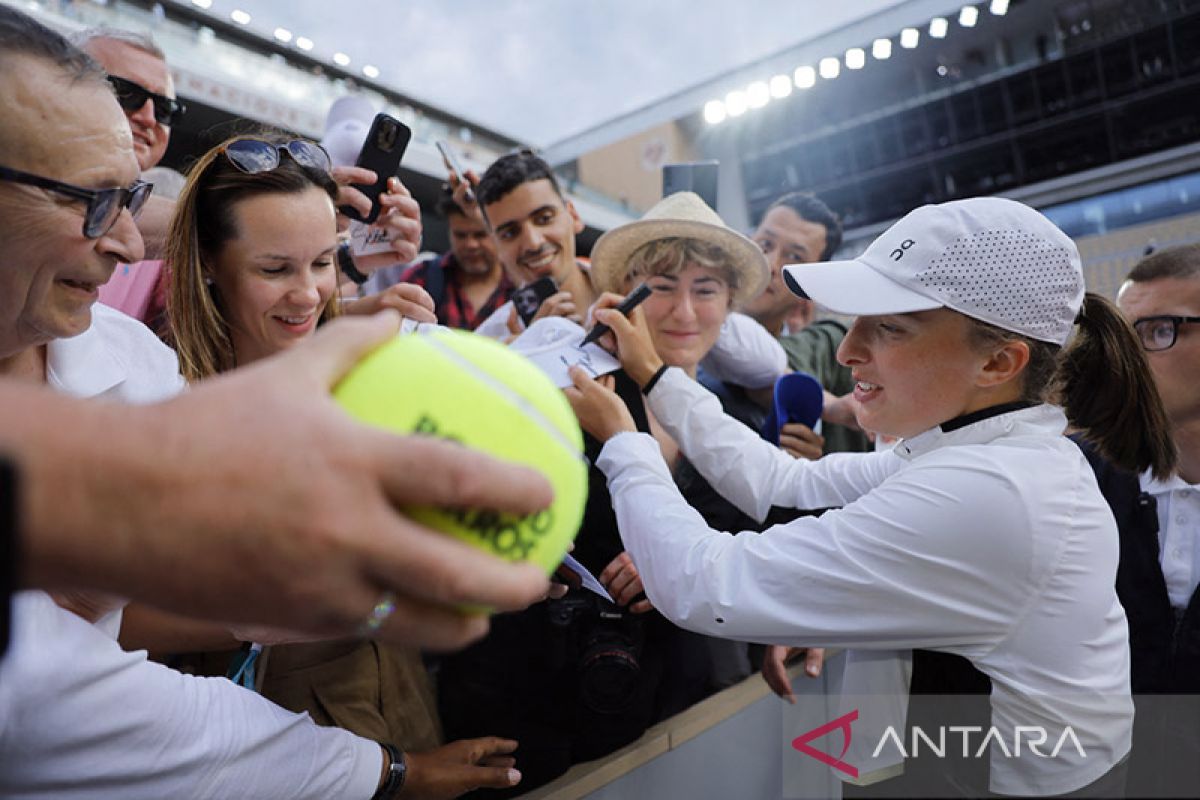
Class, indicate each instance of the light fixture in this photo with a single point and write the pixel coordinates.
(882, 49)
(999, 7)
(735, 103)
(304, 43)
(205, 4)
(371, 71)
(239, 16)
(781, 86)
(909, 38)
(341, 59)
(714, 112)
(968, 16)
(938, 27)
(805, 77)
(856, 58)
(829, 68)
(942, 71)
(758, 94)
(283, 35)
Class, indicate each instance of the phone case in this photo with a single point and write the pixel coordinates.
(386, 142)
(528, 299)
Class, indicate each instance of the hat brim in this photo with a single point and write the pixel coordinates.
(610, 254)
(852, 287)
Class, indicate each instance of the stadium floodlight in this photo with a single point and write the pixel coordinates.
(829, 68)
(805, 77)
(968, 16)
(283, 35)
(341, 59)
(882, 49)
(304, 43)
(938, 27)
(781, 86)
(735, 103)
(999, 7)
(714, 112)
(758, 94)
(371, 71)
(909, 38)
(239, 16)
(856, 58)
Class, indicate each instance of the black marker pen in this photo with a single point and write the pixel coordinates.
(631, 302)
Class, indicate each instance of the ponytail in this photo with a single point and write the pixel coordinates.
(1104, 384)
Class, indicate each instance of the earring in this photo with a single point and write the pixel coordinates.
(208, 281)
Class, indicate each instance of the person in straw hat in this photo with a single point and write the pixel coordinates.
(982, 534)
(696, 268)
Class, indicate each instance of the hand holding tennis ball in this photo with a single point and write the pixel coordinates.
(472, 390)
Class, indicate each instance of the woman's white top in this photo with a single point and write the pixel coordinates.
(991, 541)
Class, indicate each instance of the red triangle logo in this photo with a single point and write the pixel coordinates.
(801, 743)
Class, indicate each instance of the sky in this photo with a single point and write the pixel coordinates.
(540, 71)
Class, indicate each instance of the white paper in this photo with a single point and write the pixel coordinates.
(366, 240)
(589, 580)
(410, 325)
(552, 344)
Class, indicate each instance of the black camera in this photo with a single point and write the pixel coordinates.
(603, 643)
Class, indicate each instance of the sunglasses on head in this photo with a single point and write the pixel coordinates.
(256, 155)
(104, 206)
(132, 96)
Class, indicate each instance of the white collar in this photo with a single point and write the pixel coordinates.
(1042, 419)
(85, 365)
(1156, 487)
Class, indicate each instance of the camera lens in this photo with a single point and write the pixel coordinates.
(608, 674)
(386, 138)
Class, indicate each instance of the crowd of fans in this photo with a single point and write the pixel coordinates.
(222, 598)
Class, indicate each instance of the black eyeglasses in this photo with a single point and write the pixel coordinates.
(1160, 333)
(132, 96)
(104, 206)
(253, 156)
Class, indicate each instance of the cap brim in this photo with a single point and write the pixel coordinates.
(852, 287)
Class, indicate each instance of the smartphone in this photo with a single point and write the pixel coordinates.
(694, 176)
(453, 164)
(529, 298)
(450, 159)
(381, 153)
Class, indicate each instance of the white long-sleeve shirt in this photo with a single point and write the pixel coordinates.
(990, 541)
(80, 719)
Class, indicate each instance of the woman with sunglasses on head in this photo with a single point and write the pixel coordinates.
(252, 266)
(983, 534)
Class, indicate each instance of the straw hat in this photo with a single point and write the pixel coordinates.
(682, 215)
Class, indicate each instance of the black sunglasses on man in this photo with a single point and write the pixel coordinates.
(132, 96)
(104, 206)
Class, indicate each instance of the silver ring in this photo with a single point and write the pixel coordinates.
(383, 609)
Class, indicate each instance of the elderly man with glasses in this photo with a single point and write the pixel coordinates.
(79, 717)
(1159, 522)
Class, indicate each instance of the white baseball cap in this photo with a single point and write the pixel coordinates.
(989, 258)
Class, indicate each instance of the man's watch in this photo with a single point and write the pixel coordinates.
(397, 771)
(345, 260)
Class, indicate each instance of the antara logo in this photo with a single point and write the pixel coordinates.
(1032, 737)
(843, 722)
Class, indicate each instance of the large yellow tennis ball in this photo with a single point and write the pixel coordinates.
(472, 390)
